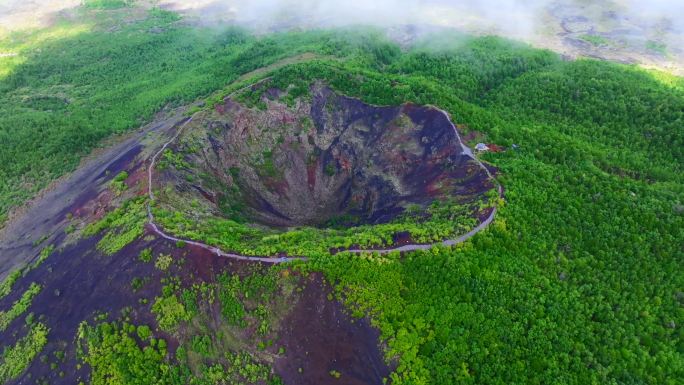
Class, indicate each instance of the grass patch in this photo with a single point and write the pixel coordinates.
(6, 285)
(106, 4)
(121, 226)
(596, 40)
(442, 220)
(15, 359)
(163, 262)
(657, 46)
(118, 184)
(170, 312)
(19, 307)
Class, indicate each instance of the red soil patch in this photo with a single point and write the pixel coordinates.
(137, 179)
(495, 148)
(311, 174)
(96, 208)
(469, 135)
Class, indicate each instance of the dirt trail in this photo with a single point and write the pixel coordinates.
(43, 221)
(409, 247)
(45, 218)
(169, 237)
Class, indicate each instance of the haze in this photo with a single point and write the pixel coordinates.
(649, 33)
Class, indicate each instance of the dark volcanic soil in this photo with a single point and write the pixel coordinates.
(45, 217)
(320, 337)
(79, 282)
(328, 160)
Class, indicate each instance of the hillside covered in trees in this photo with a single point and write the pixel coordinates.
(578, 280)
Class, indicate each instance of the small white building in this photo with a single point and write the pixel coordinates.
(481, 147)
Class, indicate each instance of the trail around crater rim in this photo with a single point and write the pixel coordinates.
(404, 248)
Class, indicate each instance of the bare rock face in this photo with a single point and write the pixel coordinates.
(327, 159)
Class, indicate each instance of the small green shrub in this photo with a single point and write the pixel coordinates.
(144, 332)
(202, 345)
(330, 169)
(170, 312)
(231, 305)
(118, 184)
(137, 283)
(145, 255)
(163, 262)
(335, 374)
(60, 355)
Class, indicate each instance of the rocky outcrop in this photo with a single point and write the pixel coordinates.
(323, 160)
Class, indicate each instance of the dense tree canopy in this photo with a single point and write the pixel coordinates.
(579, 279)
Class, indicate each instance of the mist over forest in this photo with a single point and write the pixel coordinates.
(629, 31)
(281, 192)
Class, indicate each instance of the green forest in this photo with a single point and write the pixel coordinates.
(578, 280)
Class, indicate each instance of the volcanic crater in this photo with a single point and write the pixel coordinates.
(321, 160)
